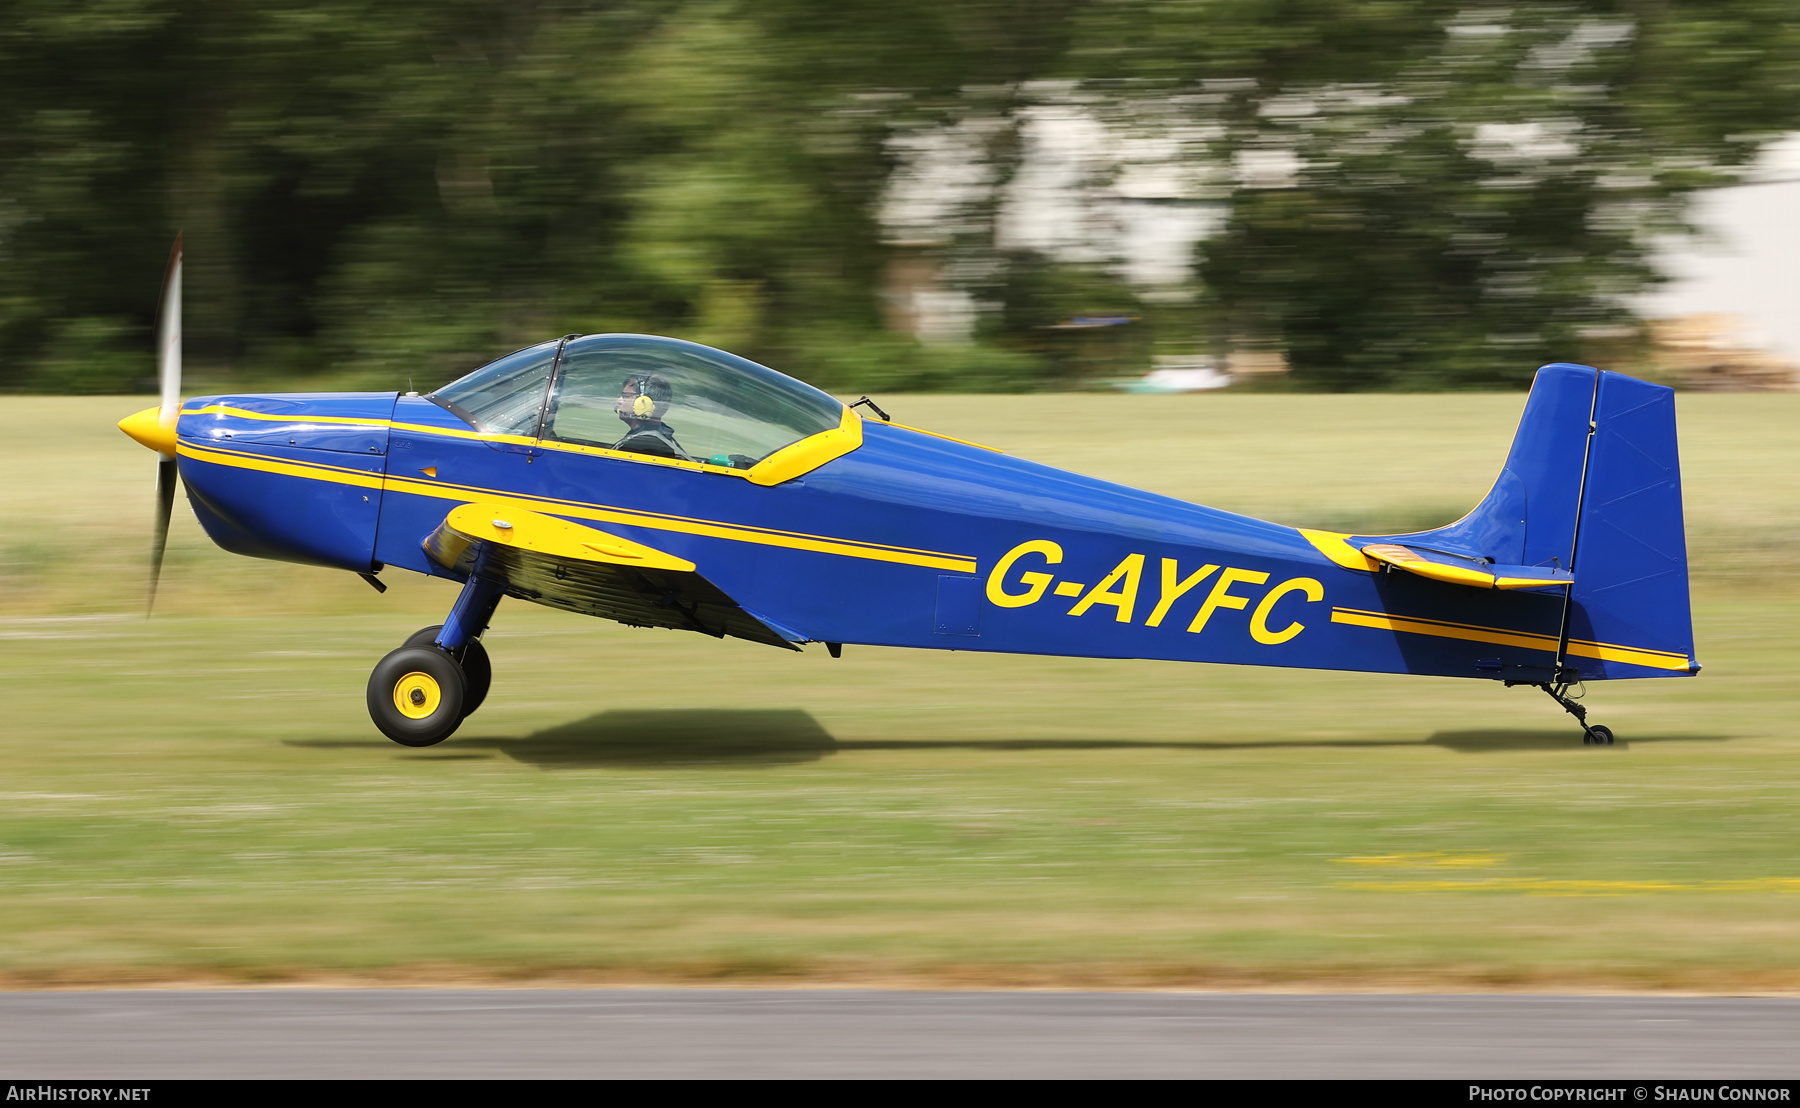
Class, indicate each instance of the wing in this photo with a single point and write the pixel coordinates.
(564, 565)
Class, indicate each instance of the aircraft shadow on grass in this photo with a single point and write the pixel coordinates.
(1493, 740)
(650, 737)
(1465, 742)
(726, 737)
(671, 737)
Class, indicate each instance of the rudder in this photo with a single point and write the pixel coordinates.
(1629, 614)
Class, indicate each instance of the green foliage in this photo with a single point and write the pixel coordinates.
(851, 362)
(94, 355)
(398, 191)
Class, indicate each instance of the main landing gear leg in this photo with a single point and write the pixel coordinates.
(419, 694)
(1595, 735)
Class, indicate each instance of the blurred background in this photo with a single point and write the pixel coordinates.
(975, 195)
(1061, 197)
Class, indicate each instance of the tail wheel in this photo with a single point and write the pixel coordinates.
(416, 695)
(478, 672)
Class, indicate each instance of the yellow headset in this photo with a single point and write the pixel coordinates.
(643, 405)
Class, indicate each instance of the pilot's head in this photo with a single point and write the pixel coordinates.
(644, 398)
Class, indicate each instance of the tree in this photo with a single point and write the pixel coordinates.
(1420, 193)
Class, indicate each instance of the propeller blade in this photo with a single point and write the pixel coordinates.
(168, 374)
(168, 347)
(166, 477)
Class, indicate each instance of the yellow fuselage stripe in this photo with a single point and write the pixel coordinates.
(1607, 652)
(463, 494)
(339, 475)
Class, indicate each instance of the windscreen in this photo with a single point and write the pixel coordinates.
(504, 396)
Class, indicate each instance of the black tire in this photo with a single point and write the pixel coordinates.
(478, 671)
(416, 695)
(1602, 734)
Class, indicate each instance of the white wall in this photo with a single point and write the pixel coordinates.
(1748, 261)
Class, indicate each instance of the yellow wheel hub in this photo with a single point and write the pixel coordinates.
(417, 695)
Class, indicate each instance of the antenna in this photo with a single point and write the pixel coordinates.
(873, 408)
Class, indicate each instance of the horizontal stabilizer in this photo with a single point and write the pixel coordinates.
(1476, 573)
(579, 569)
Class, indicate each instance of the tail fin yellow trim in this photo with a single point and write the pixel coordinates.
(1332, 545)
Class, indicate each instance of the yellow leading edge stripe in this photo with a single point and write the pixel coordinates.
(1606, 652)
(464, 494)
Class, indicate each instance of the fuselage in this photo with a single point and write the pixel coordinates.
(909, 539)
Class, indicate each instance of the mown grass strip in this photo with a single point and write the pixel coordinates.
(200, 797)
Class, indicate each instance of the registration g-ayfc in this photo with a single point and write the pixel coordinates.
(660, 483)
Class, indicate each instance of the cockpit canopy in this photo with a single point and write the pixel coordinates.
(643, 394)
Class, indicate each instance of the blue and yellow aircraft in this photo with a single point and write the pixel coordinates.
(661, 483)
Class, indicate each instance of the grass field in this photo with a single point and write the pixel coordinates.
(201, 798)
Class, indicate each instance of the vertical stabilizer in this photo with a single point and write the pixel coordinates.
(1593, 485)
(1528, 517)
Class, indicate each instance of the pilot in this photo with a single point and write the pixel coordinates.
(643, 401)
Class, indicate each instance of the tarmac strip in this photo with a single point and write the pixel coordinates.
(696, 1033)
